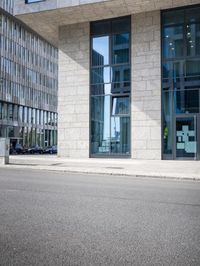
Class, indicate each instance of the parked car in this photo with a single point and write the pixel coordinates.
(51, 149)
(19, 149)
(35, 149)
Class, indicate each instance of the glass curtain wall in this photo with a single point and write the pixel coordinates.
(181, 83)
(110, 87)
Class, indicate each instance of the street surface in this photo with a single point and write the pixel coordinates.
(55, 218)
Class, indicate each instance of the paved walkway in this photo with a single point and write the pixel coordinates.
(129, 167)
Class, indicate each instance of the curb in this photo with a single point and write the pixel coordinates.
(110, 173)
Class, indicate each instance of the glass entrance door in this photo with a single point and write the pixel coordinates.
(186, 137)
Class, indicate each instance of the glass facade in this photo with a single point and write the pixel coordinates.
(28, 84)
(7, 5)
(181, 83)
(110, 87)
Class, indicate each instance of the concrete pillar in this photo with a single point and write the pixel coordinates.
(4, 150)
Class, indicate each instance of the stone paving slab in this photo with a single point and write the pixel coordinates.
(127, 167)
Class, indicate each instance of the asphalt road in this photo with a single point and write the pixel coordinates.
(49, 218)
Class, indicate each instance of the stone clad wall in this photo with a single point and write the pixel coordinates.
(146, 86)
(73, 96)
(73, 102)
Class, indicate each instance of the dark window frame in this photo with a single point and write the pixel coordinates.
(33, 1)
(183, 82)
(117, 94)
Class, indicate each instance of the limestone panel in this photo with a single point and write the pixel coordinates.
(73, 96)
(146, 86)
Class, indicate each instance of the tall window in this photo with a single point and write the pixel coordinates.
(181, 82)
(110, 87)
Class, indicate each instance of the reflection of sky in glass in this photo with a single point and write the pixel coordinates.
(101, 46)
(106, 74)
(107, 88)
(115, 128)
(106, 132)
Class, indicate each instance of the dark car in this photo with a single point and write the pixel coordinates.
(51, 149)
(35, 149)
(19, 149)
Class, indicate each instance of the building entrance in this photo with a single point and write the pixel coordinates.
(181, 83)
(187, 134)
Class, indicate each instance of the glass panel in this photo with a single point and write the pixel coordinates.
(100, 75)
(186, 145)
(25, 137)
(121, 74)
(120, 106)
(120, 48)
(101, 89)
(108, 51)
(187, 101)
(100, 126)
(121, 24)
(33, 137)
(29, 115)
(120, 135)
(173, 42)
(5, 111)
(177, 71)
(173, 17)
(121, 79)
(100, 27)
(193, 69)
(100, 51)
(193, 14)
(10, 132)
(33, 116)
(193, 39)
(1, 109)
(167, 122)
(25, 115)
(166, 72)
(10, 112)
(15, 114)
(20, 116)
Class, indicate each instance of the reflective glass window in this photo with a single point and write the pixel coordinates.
(193, 39)
(20, 114)
(110, 115)
(100, 51)
(10, 112)
(120, 105)
(167, 104)
(1, 110)
(120, 135)
(100, 119)
(173, 42)
(187, 101)
(193, 68)
(120, 48)
(192, 15)
(100, 75)
(100, 27)
(173, 17)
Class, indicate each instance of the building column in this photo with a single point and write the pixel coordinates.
(146, 86)
(73, 93)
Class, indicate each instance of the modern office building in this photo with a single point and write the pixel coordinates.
(28, 83)
(129, 75)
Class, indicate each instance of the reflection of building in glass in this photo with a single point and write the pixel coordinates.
(110, 129)
(117, 52)
(181, 83)
(28, 84)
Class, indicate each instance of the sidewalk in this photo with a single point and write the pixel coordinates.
(128, 167)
